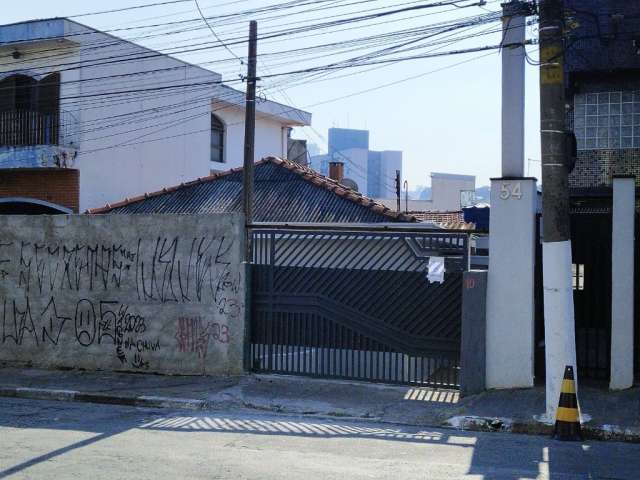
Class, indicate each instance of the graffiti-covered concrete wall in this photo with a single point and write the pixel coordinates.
(157, 293)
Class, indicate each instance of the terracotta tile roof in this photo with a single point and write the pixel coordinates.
(285, 191)
(448, 220)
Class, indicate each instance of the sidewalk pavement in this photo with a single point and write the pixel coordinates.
(610, 415)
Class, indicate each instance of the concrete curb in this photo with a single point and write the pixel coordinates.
(103, 398)
(496, 424)
(463, 422)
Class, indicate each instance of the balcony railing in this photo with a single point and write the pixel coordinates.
(20, 128)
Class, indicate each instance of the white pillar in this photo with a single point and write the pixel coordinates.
(622, 282)
(510, 289)
(513, 90)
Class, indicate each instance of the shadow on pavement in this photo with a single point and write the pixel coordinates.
(489, 456)
(55, 453)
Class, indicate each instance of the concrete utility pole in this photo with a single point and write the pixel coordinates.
(513, 89)
(560, 343)
(250, 132)
(510, 287)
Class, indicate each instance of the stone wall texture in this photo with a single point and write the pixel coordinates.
(151, 293)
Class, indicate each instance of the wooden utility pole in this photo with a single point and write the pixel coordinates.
(560, 349)
(250, 133)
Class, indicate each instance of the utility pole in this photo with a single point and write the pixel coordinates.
(513, 88)
(560, 343)
(250, 135)
(398, 189)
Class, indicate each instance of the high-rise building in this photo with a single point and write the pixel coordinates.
(382, 167)
(341, 139)
(373, 172)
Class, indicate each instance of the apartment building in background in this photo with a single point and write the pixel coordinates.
(602, 80)
(371, 172)
(87, 118)
(602, 74)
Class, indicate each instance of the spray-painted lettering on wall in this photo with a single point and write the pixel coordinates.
(122, 299)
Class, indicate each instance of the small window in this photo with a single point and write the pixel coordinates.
(217, 140)
(577, 270)
(598, 118)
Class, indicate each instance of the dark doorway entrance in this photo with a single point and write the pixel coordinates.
(591, 231)
(637, 298)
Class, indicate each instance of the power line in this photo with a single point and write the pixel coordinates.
(125, 9)
(135, 142)
(118, 59)
(356, 62)
(204, 19)
(288, 24)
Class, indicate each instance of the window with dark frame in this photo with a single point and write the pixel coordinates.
(30, 110)
(217, 139)
(577, 270)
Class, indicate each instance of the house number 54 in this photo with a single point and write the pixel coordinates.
(510, 190)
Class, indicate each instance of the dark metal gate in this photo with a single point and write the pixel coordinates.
(357, 305)
(637, 300)
(591, 231)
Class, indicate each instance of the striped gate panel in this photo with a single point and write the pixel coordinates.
(357, 306)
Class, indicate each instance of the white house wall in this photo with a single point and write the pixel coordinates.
(445, 191)
(123, 152)
(271, 136)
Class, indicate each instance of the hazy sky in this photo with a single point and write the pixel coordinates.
(445, 121)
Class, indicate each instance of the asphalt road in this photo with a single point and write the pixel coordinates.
(49, 440)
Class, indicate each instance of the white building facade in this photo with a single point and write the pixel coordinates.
(451, 192)
(128, 118)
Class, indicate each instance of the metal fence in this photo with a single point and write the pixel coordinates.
(28, 128)
(357, 305)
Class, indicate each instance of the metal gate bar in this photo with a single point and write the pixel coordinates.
(591, 250)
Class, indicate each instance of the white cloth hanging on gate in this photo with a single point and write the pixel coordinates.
(436, 270)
